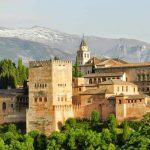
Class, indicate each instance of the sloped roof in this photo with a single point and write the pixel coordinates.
(103, 61)
(136, 96)
(146, 64)
(103, 74)
(115, 81)
(96, 91)
(83, 43)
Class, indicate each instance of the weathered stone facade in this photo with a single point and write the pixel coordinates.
(13, 104)
(50, 95)
(112, 96)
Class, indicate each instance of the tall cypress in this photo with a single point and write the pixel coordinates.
(76, 69)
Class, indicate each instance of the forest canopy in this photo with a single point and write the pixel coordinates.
(81, 134)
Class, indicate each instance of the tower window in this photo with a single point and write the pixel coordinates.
(126, 88)
(35, 99)
(12, 106)
(122, 88)
(119, 101)
(45, 99)
(40, 99)
(4, 106)
(90, 81)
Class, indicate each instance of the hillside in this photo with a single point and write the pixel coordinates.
(43, 43)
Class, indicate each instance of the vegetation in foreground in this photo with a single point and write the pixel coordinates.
(82, 135)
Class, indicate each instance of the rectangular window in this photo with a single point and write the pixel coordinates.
(126, 88)
(118, 88)
(122, 88)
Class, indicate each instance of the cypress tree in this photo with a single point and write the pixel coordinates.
(76, 69)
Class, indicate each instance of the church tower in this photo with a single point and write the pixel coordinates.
(83, 54)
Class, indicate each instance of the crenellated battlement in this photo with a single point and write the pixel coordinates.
(43, 63)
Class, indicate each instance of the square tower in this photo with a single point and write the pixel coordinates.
(50, 91)
(83, 54)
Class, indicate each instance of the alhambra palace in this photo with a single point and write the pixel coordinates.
(108, 85)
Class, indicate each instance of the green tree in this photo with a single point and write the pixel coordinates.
(112, 122)
(22, 73)
(126, 131)
(7, 74)
(111, 146)
(2, 145)
(56, 58)
(95, 117)
(76, 69)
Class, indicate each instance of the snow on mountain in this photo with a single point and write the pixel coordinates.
(42, 43)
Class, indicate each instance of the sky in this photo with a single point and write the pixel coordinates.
(103, 18)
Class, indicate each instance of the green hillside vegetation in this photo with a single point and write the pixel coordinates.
(12, 75)
(83, 134)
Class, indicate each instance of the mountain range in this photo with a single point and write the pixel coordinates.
(37, 43)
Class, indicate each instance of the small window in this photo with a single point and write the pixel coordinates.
(126, 88)
(119, 101)
(40, 99)
(122, 88)
(12, 106)
(147, 88)
(134, 89)
(90, 81)
(80, 89)
(89, 101)
(118, 88)
(61, 98)
(35, 99)
(4, 106)
(45, 99)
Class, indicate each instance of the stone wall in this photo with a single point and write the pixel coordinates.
(50, 88)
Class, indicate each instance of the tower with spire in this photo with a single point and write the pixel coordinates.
(83, 54)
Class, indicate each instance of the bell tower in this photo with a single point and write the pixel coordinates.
(83, 54)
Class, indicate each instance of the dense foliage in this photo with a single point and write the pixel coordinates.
(12, 76)
(80, 134)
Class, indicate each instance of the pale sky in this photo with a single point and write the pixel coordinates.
(103, 18)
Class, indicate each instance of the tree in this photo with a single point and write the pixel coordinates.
(7, 74)
(2, 145)
(95, 117)
(22, 73)
(76, 69)
(112, 122)
(56, 58)
(126, 131)
(111, 146)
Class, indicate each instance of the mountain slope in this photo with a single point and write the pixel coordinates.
(43, 43)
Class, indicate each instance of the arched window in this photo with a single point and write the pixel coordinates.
(4, 106)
